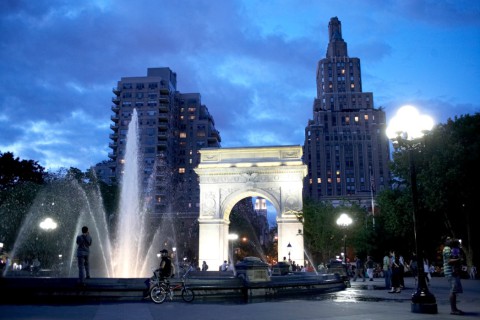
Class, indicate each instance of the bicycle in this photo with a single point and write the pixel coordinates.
(162, 289)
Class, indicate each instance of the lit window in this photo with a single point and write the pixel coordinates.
(352, 86)
(191, 109)
(181, 170)
(356, 118)
(329, 180)
(365, 117)
(338, 180)
(319, 180)
(181, 118)
(338, 172)
(311, 181)
(192, 117)
(343, 71)
(347, 120)
(183, 134)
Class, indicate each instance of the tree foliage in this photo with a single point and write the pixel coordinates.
(14, 171)
(324, 239)
(447, 166)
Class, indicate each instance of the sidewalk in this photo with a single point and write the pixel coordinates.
(364, 300)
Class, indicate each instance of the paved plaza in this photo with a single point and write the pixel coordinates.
(365, 300)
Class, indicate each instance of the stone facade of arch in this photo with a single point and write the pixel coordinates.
(228, 175)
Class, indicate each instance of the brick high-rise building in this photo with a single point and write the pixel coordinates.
(346, 149)
(173, 127)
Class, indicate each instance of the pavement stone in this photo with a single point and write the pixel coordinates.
(364, 300)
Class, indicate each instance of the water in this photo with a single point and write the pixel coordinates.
(310, 261)
(127, 252)
(130, 236)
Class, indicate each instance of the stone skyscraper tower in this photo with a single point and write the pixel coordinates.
(346, 149)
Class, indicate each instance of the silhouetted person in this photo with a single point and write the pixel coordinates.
(84, 241)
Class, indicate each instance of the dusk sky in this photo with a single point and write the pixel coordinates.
(253, 62)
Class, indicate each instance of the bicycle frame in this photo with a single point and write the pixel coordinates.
(161, 289)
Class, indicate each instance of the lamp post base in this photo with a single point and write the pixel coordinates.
(424, 302)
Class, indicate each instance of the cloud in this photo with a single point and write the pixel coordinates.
(254, 64)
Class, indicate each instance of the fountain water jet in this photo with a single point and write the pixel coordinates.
(130, 236)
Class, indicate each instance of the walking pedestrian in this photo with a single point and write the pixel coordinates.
(204, 266)
(84, 241)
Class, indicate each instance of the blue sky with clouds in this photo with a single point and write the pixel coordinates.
(254, 63)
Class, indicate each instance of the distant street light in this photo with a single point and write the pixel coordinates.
(406, 131)
(48, 224)
(344, 221)
(289, 246)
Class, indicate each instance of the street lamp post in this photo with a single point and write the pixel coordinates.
(289, 246)
(344, 221)
(406, 131)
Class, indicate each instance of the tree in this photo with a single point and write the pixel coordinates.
(324, 239)
(14, 171)
(447, 173)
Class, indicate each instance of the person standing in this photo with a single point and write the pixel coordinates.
(204, 266)
(473, 272)
(387, 270)
(451, 270)
(426, 270)
(370, 266)
(395, 278)
(84, 241)
(359, 269)
(166, 266)
(224, 266)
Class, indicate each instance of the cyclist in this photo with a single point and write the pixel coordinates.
(167, 269)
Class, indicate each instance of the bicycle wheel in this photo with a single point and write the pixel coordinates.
(187, 295)
(158, 294)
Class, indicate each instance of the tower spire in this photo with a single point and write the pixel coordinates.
(337, 47)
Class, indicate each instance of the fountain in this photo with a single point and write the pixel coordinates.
(129, 252)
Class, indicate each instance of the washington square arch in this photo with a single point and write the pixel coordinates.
(228, 175)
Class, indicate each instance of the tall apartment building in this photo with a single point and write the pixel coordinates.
(173, 127)
(346, 149)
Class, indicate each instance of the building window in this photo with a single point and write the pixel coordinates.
(181, 170)
(356, 118)
(319, 180)
(365, 117)
(183, 134)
